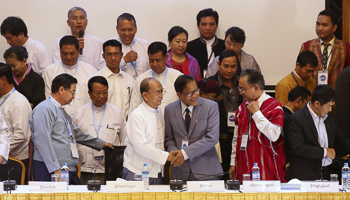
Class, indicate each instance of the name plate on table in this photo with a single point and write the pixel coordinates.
(36, 186)
(1, 187)
(261, 186)
(124, 186)
(205, 186)
(316, 186)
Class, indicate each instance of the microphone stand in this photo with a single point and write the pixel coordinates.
(95, 185)
(9, 185)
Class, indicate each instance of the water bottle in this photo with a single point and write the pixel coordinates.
(345, 179)
(65, 174)
(255, 172)
(145, 176)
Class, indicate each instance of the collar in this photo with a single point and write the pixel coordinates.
(262, 98)
(149, 108)
(298, 77)
(54, 100)
(289, 109)
(161, 74)
(314, 115)
(15, 78)
(27, 43)
(98, 108)
(70, 67)
(205, 41)
(330, 42)
(7, 93)
(183, 108)
(110, 73)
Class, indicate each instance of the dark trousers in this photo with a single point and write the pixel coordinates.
(226, 150)
(40, 173)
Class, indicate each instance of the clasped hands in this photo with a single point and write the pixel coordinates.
(176, 158)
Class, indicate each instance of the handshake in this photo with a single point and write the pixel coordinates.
(176, 158)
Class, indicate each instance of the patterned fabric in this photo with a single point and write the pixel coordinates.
(269, 155)
(325, 55)
(340, 58)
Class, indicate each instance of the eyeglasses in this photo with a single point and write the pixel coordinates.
(234, 44)
(73, 93)
(159, 92)
(243, 90)
(190, 94)
(97, 94)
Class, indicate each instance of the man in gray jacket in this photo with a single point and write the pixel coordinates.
(55, 136)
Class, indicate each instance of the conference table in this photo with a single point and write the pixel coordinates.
(158, 192)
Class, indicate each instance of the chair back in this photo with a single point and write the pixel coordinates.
(17, 173)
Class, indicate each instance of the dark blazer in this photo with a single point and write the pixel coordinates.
(198, 49)
(306, 156)
(203, 135)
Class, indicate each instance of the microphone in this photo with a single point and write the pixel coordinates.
(230, 184)
(95, 185)
(9, 185)
(81, 35)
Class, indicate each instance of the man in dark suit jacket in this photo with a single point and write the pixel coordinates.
(192, 130)
(313, 134)
(207, 46)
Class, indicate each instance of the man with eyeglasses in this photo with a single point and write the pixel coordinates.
(120, 83)
(228, 99)
(69, 48)
(258, 131)
(302, 74)
(192, 131)
(100, 120)
(157, 53)
(145, 136)
(54, 135)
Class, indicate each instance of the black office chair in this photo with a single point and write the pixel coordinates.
(17, 172)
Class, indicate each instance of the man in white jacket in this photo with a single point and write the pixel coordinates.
(145, 135)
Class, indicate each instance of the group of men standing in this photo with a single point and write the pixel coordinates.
(121, 92)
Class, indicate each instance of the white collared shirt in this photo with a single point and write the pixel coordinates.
(322, 134)
(119, 88)
(4, 140)
(169, 88)
(139, 45)
(16, 111)
(330, 49)
(145, 141)
(112, 130)
(38, 55)
(92, 51)
(83, 74)
(209, 44)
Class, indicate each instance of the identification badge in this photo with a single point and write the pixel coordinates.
(97, 154)
(74, 150)
(322, 78)
(231, 119)
(244, 141)
(185, 142)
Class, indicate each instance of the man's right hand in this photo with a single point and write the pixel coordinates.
(232, 171)
(59, 174)
(171, 156)
(330, 153)
(81, 43)
(1, 159)
(131, 56)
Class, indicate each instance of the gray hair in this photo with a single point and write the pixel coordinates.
(76, 8)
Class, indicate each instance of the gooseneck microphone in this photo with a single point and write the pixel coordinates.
(95, 185)
(81, 35)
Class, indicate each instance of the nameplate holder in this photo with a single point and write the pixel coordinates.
(1, 187)
(124, 186)
(205, 186)
(261, 186)
(318, 186)
(38, 186)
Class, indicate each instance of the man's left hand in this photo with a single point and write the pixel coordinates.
(1, 159)
(109, 145)
(253, 106)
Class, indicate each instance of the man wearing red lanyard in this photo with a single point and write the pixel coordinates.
(300, 76)
(258, 132)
